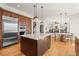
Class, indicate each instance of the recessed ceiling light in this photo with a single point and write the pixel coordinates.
(18, 6)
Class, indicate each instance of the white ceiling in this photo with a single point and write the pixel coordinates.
(50, 9)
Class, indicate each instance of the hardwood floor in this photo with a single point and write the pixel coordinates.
(13, 50)
(57, 49)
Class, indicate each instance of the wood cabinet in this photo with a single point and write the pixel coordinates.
(28, 46)
(25, 21)
(8, 13)
(77, 46)
(0, 27)
(35, 47)
(28, 24)
(0, 15)
(21, 23)
(14, 15)
(22, 20)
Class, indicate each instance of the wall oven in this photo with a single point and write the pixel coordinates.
(10, 30)
(22, 29)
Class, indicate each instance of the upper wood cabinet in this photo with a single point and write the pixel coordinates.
(25, 21)
(28, 24)
(0, 15)
(22, 20)
(0, 27)
(0, 10)
(14, 15)
(8, 13)
(0, 21)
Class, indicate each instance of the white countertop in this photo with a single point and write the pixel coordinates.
(36, 36)
(40, 36)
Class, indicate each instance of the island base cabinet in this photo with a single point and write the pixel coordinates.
(33, 47)
(28, 46)
(77, 46)
(43, 45)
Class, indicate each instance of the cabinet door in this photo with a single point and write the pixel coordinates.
(0, 15)
(28, 24)
(6, 13)
(22, 20)
(77, 46)
(0, 28)
(14, 15)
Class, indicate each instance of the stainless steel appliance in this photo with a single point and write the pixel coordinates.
(10, 30)
(23, 29)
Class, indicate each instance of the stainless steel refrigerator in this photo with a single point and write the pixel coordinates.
(10, 30)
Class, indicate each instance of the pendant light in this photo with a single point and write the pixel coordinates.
(61, 18)
(65, 18)
(35, 12)
(41, 14)
(67, 22)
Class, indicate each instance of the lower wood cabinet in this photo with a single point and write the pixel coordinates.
(33, 47)
(77, 46)
(0, 41)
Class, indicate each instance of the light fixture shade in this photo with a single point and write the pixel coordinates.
(18, 5)
(35, 18)
(35, 12)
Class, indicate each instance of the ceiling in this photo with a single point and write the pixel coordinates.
(50, 10)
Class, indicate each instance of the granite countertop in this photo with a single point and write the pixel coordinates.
(36, 36)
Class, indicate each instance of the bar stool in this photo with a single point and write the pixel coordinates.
(69, 38)
(62, 37)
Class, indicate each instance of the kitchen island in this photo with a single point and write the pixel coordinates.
(35, 44)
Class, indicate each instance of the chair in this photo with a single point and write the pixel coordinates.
(57, 37)
(69, 38)
(62, 37)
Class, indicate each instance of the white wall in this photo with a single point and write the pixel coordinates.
(47, 22)
(74, 24)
